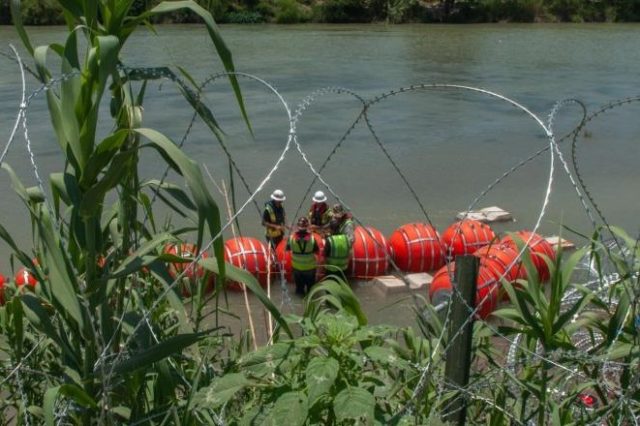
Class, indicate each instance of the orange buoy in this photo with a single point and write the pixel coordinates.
(416, 247)
(192, 273)
(503, 259)
(369, 255)
(487, 291)
(23, 276)
(2, 281)
(283, 258)
(465, 237)
(539, 249)
(249, 254)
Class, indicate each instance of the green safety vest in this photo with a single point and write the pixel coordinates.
(302, 256)
(338, 257)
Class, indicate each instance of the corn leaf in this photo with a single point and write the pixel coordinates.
(157, 352)
(16, 17)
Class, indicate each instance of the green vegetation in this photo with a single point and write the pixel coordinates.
(104, 337)
(47, 12)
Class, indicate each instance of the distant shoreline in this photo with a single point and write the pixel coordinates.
(39, 13)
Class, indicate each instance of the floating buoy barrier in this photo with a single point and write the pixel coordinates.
(191, 272)
(416, 247)
(487, 291)
(503, 258)
(249, 254)
(539, 248)
(369, 253)
(465, 237)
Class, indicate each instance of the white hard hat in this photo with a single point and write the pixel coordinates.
(319, 197)
(278, 195)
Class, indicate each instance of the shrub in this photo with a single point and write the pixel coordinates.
(243, 17)
(289, 12)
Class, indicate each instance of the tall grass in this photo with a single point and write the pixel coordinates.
(103, 337)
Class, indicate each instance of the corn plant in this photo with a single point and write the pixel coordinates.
(103, 337)
(574, 345)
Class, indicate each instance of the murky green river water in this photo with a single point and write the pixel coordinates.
(450, 144)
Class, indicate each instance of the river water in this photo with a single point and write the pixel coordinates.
(449, 144)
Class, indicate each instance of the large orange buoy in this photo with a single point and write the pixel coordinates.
(539, 248)
(369, 255)
(192, 273)
(250, 254)
(283, 258)
(23, 276)
(487, 288)
(503, 259)
(465, 237)
(416, 247)
(2, 281)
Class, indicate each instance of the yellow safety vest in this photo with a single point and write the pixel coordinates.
(302, 253)
(271, 232)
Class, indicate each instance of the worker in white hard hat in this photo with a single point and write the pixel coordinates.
(319, 213)
(273, 218)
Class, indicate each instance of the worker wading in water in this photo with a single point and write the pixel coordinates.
(342, 223)
(337, 250)
(319, 213)
(273, 219)
(303, 257)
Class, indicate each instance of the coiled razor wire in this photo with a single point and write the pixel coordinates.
(292, 137)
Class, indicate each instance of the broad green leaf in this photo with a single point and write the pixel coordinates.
(340, 295)
(60, 284)
(71, 391)
(70, 89)
(616, 322)
(266, 359)
(174, 190)
(102, 155)
(385, 356)
(94, 197)
(207, 209)
(39, 317)
(49, 405)
(135, 261)
(223, 51)
(354, 403)
(221, 390)
(157, 352)
(236, 274)
(320, 375)
(290, 409)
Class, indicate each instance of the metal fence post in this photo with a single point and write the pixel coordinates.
(458, 355)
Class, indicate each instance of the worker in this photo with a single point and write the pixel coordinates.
(303, 257)
(337, 250)
(342, 223)
(319, 214)
(273, 218)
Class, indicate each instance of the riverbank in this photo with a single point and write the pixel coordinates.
(47, 12)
